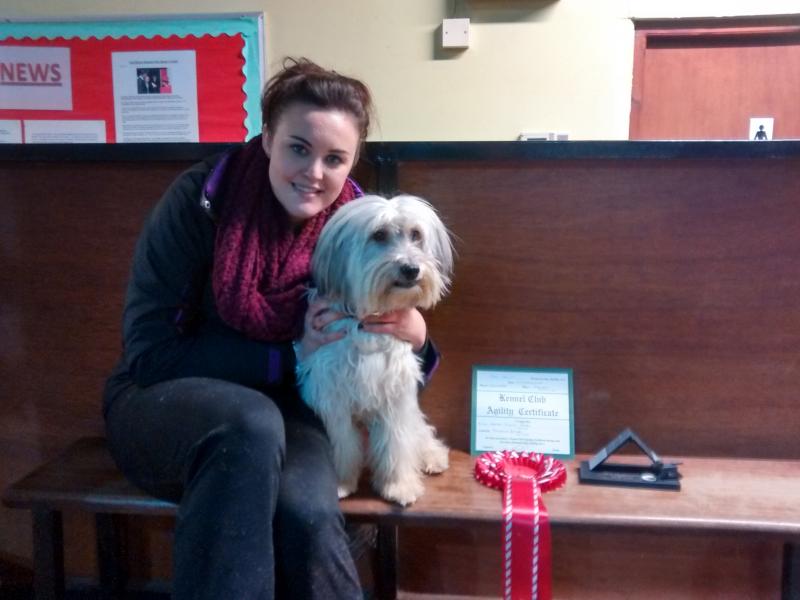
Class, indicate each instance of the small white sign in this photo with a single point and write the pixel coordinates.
(65, 132)
(761, 128)
(10, 132)
(35, 78)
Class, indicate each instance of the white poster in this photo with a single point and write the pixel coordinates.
(65, 132)
(155, 96)
(35, 78)
(10, 132)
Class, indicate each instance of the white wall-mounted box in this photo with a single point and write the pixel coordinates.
(455, 33)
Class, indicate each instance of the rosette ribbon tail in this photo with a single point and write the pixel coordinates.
(524, 477)
(527, 554)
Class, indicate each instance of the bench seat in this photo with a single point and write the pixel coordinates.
(746, 497)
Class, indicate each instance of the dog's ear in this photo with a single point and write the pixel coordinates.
(329, 262)
(437, 236)
(441, 246)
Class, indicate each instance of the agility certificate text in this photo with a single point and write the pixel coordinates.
(527, 410)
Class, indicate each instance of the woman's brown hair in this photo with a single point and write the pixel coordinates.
(302, 80)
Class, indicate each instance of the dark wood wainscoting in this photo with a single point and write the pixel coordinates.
(667, 276)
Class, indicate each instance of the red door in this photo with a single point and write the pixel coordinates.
(706, 81)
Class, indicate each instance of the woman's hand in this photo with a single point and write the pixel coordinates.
(406, 324)
(318, 316)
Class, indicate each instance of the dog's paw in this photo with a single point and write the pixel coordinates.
(404, 491)
(435, 458)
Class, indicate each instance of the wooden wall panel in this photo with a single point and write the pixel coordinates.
(598, 564)
(66, 241)
(670, 287)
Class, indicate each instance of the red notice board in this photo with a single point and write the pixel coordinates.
(219, 81)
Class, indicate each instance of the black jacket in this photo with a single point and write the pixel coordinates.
(171, 327)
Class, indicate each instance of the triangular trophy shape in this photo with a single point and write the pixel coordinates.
(654, 475)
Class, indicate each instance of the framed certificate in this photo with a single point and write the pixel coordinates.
(528, 410)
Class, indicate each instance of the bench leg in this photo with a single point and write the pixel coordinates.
(48, 555)
(790, 581)
(110, 560)
(386, 569)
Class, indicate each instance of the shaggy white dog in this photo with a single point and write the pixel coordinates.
(374, 256)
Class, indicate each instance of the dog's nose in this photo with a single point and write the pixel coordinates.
(409, 272)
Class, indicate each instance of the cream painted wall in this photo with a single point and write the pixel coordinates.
(532, 65)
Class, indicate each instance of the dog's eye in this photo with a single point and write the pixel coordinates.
(379, 236)
(416, 235)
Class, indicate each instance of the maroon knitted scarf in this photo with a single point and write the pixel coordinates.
(262, 265)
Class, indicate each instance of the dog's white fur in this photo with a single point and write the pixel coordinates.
(374, 256)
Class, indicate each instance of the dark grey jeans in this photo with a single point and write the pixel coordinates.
(258, 513)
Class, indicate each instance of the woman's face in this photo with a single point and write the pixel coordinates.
(311, 150)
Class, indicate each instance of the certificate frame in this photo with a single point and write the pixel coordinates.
(533, 410)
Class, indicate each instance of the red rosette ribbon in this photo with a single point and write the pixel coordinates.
(523, 477)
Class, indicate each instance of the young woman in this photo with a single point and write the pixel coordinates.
(202, 409)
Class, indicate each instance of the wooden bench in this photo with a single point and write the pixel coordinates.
(717, 495)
